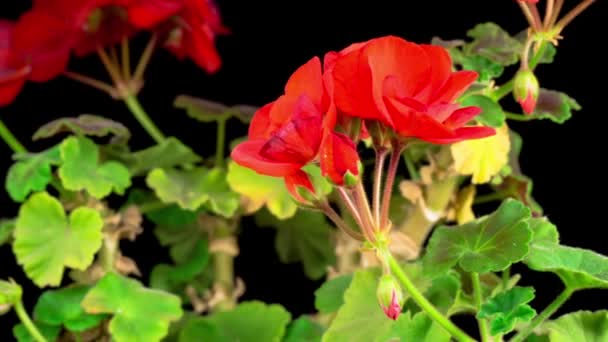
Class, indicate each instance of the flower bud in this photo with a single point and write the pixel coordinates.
(390, 296)
(526, 90)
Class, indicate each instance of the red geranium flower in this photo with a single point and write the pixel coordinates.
(294, 130)
(13, 73)
(408, 87)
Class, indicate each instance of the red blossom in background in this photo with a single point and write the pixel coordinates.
(408, 87)
(13, 73)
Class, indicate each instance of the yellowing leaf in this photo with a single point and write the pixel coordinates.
(464, 205)
(482, 158)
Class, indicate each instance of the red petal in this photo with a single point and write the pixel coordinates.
(456, 85)
(149, 13)
(308, 80)
(461, 116)
(528, 104)
(298, 179)
(11, 83)
(464, 133)
(260, 124)
(338, 156)
(248, 154)
(441, 69)
(409, 123)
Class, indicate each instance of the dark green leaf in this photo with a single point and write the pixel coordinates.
(330, 296)
(169, 153)
(580, 326)
(50, 332)
(208, 111)
(485, 67)
(85, 124)
(492, 42)
(304, 330)
(491, 112)
(555, 106)
(507, 308)
(488, 244)
(6, 230)
(191, 260)
(163, 215)
(443, 291)
(31, 174)
(520, 187)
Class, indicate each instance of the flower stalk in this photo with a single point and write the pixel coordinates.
(27, 322)
(10, 139)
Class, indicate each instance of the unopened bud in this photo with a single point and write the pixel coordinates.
(526, 90)
(390, 296)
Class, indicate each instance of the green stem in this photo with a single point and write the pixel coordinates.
(496, 196)
(389, 183)
(506, 88)
(411, 167)
(223, 267)
(544, 315)
(219, 143)
(27, 322)
(483, 324)
(506, 278)
(423, 303)
(10, 139)
(518, 117)
(143, 118)
(107, 254)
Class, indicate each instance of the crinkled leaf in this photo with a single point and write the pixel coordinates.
(81, 169)
(482, 158)
(330, 296)
(31, 174)
(139, 314)
(494, 43)
(192, 188)
(580, 326)
(168, 153)
(85, 124)
(6, 230)
(554, 105)
(259, 190)
(208, 111)
(62, 307)
(248, 322)
(489, 244)
(304, 329)
(46, 241)
(520, 187)
(50, 332)
(491, 112)
(508, 308)
(303, 238)
(485, 67)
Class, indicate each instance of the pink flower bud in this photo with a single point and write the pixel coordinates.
(390, 296)
(526, 90)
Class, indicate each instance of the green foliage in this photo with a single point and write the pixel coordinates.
(554, 105)
(47, 241)
(488, 244)
(50, 332)
(209, 111)
(303, 238)
(191, 257)
(580, 326)
(139, 314)
(10, 293)
(444, 291)
(85, 124)
(82, 170)
(330, 296)
(494, 43)
(169, 153)
(491, 112)
(193, 188)
(6, 230)
(31, 173)
(304, 329)
(260, 190)
(158, 212)
(507, 308)
(248, 322)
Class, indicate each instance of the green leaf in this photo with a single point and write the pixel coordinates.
(140, 314)
(209, 111)
(81, 169)
(487, 68)
(248, 322)
(50, 332)
(259, 190)
(580, 326)
(489, 244)
(169, 153)
(192, 188)
(10, 293)
(62, 307)
(170, 215)
(46, 241)
(494, 43)
(6, 230)
(85, 124)
(507, 308)
(444, 290)
(554, 105)
(519, 187)
(330, 296)
(419, 328)
(305, 238)
(491, 112)
(31, 174)
(191, 260)
(304, 330)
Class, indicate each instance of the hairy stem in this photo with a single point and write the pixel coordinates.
(389, 184)
(219, 143)
(423, 303)
(143, 118)
(91, 82)
(144, 60)
(563, 22)
(365, 212)
(506, 88)
(125, 55)
(484, 331)
(223, 267)
(378, 168)
(10, 139)
(544, 315)
(338, 221)
(347, 201)
(27, 322)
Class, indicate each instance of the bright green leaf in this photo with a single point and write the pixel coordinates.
(85, 124)
(580, 326)
(6, 230)
(259, 190)
(508, 308)
(140, 314)
(485, 67)
(489, 244)
(248, 322)
(303, 238)
(50, 332)
(554, 105)
(81, 169)
(304, 330)
(46, 241)
(10, 293)
(419, 328)
(330, 296)
(62, 307)
(491, 112)
(192, 188)
(169, 153)
(209, 111)
(494, 43)
(31, 174)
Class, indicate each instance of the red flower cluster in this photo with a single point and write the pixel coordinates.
(408, 88)
(38, 46)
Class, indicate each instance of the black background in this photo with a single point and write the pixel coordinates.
(269, 41)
